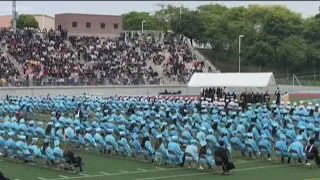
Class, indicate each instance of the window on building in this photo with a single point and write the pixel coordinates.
(115, 26)
(74, 24)
(88, 25)
(103, 25)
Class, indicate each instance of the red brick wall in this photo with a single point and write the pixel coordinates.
(65, 20)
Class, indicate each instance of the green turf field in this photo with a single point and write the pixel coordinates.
(101, 167)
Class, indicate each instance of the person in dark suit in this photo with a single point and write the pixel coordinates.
(222, 153)
(72, 158)
(2, 177)
(277, 94)
(312, 152)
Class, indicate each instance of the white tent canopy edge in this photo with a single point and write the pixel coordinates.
(206, 80)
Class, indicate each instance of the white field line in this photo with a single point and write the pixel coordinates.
(85, 175)
(198, 174)
(116, 174)
(313, 179)
(42, 178)
(63, 176)
(139, 169)
(122, 171)
(244, 161)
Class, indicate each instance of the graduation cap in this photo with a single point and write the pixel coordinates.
(110, 130)
(151, 125)
(134, 136)
(34, 140)
(193, 141)
(264, 136)
(56, 142)
(122, 133)
(22, 137)
(203, 143)
(299, 137)
(249, 135)
(159, 136)
(11, 133)
(98, 129)
(174, 138)
(302, 127)
(282, 136)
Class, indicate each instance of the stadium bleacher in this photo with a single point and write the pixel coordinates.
(49, 59)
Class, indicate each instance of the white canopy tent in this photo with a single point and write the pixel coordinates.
(244, 80)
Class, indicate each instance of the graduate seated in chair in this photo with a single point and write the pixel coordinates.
(146, 144)
(71, 158)
(192, 149)
(281, 148)
(174, 147)
(297, 146)
(266, 146)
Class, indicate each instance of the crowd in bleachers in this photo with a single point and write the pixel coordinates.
(170, 131)
(49, 59)
(8, 72)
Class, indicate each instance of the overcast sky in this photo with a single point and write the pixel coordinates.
(306, 8)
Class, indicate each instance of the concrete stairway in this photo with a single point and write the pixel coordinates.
(13, 60)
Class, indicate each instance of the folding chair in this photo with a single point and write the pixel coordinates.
(134, 152)
(122, 151)
(294, 157)
(158, 158)
(189, 159)
(250, 150)
(173, 157)
(264, 152)
(203, 162)
(183, 145)
(311, 160)
(219, 164)
(236, 148)
(69, 165)
(278, 154)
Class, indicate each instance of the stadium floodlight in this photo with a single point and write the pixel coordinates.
(240, 36)
(142, 26)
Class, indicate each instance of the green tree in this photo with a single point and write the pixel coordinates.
(133, 21)
(292, 53)
(27, 21)
(190, 25)
(260, 54)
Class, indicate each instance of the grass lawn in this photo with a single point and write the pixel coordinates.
(101, 167)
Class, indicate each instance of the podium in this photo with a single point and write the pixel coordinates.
(285, 99)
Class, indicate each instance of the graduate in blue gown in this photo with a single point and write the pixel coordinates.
(282, 146)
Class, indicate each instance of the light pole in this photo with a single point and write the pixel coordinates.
(142, 26)
(43, 17)
(240, 36)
